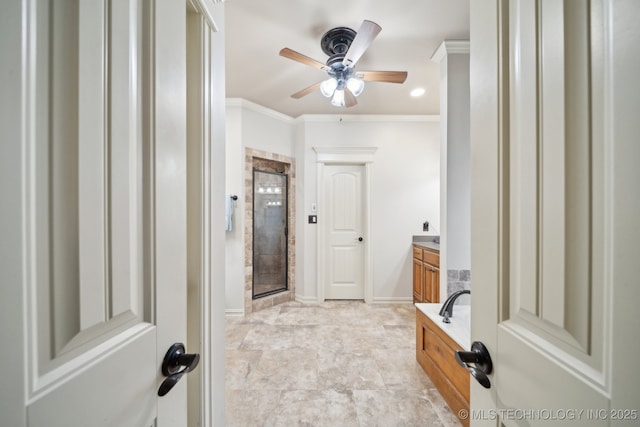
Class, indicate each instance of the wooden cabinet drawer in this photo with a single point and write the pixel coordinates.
(431, 257)
(417, 253)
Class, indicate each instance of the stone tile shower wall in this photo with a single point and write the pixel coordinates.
(458, 280)
(263, 160)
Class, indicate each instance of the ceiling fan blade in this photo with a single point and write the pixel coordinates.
(306, 91)
(304, 59)
(365, 35)
(349, 98)
(382, 76)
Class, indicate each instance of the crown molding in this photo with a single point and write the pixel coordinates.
(329, 118)
(378, 118)
(450, 47)
(243, 103)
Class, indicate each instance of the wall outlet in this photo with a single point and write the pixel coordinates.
(425, 226)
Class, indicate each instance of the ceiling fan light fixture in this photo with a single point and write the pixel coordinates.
(338, 98)
(344, 47)
(355, 86)
(328, 87)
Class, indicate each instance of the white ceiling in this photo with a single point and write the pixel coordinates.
(412, 30)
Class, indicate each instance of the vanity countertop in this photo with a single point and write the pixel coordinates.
(429, 242)
(460, 327)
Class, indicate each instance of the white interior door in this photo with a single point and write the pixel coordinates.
(554, 206)
(97, 214)
(343, 185)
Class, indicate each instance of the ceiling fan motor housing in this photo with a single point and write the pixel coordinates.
(337, 40)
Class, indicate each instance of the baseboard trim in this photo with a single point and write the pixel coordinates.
(306, 300)
(234, 312)
(376, 300)
(392, 300)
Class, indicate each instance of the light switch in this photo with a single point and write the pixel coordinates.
(313, 219)
(314, 207)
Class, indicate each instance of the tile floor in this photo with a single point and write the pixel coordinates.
(334, 364)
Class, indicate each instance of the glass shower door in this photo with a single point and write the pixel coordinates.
(269, 233)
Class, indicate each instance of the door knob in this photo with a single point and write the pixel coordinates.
(176, 363)
(360, 239)
(479, 356)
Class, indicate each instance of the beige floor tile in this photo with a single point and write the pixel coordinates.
(400, 370)
(400, 408)
(241, 364)
(291, 369)
(268, 337)
(246, 408)
(317, 408)
(339, 363)
(356, 370)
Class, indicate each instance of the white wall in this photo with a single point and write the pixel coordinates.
(405, 192)
(234, 239)
(455, 199)
(405, 188)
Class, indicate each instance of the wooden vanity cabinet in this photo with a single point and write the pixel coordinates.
(426, 275)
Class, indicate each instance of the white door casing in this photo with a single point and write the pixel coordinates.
(94, 211)
(205, 201)
(343, 217)
(554, 197)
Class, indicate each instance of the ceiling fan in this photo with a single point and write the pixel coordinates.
(344, 47)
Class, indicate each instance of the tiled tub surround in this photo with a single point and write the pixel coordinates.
(338, 363)
(458, 280)
(274, 163)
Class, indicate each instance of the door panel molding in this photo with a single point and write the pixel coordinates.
(554, 203)
(78, 295)
(554, 159)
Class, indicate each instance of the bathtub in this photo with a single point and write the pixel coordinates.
(460, 327)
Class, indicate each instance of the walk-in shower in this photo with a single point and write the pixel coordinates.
(270, 228)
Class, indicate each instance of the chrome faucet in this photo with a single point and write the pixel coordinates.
(446, 311)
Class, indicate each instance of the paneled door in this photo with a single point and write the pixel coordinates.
(94, 212)
(555, 204)
(343, 185)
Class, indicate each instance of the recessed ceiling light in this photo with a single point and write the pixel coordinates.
(417, 92)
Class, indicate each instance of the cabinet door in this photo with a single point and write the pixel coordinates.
(431, 280)
(427, 278)
(418, 287)
(435, 284)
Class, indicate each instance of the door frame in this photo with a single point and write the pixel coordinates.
(206, 189)
(358, 156)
